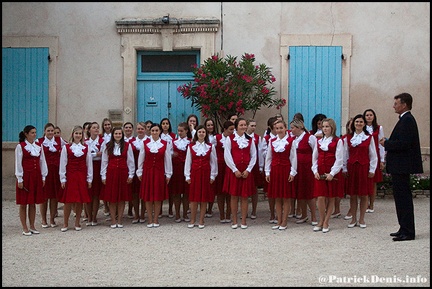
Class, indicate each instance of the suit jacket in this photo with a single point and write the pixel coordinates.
(403, 147)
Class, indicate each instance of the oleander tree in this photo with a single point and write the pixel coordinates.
(225, 86)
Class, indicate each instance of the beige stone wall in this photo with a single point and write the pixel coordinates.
(390, 51)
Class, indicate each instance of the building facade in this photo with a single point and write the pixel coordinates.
(96, 60)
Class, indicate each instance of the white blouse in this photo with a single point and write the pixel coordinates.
(130, 161)
(19, 171)
(167, 157)
(228, 156)
(77, 150)
(339, 155)
(279, 146)
(201, 149)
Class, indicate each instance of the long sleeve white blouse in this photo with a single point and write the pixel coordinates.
(229, 159)
(213, 163)
(167, 161)
(373, 157)
(130, 162)
(338, 164)
(292, 157)
(19, 171)
(64, 161)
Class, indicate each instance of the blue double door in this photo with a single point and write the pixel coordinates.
(158, 99)
(159, 76)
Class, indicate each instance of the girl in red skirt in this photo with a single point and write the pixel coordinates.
(30, 170)
(327, 162)
(259, 165)
(168, 135)
(117, 171)
(106, 135)
(137, 145)
(240, 156)
(154, 171)
(304, 181)
(178, 187)
(200, 171)
(280, 170)
(52, 147)
(377, 132)
(94, 143)
(360, 163)
(76, 176)
(269, 135)
(210, 126)
(223, 198)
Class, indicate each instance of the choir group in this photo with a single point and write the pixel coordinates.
(197, 166)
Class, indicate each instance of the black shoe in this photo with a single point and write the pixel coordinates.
(403, 238)
(396, 234)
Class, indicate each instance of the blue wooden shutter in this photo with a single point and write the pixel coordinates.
(24, 90)
(315, 83)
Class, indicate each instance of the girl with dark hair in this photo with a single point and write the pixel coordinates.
(30, 170)
(193, 122)
(137, 145)
(86, 132)
(211, 128)
(223, 197)
(200, 171)
(106, 135)
(95, 145)
(240, 156)
(52, 147)
(117, 172)
(377, 132)
(266, 140)
(178, 187)
(106, 129)
(128, 129)
(360, 162)
(317, 125)
(168, 135)
(154, 171)
(259, 165)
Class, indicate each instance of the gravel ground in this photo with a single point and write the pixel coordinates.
(173, 255)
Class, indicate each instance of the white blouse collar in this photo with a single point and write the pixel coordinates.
(154, 146)
(358, 138)
(182, 143)
(241, 140)
(50, 143)
(138, 142)
(77, 149)
(201, 148)
(324, 142)
(279, 144)
(33, 148)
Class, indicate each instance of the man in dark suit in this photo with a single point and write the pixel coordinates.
(402, 159)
